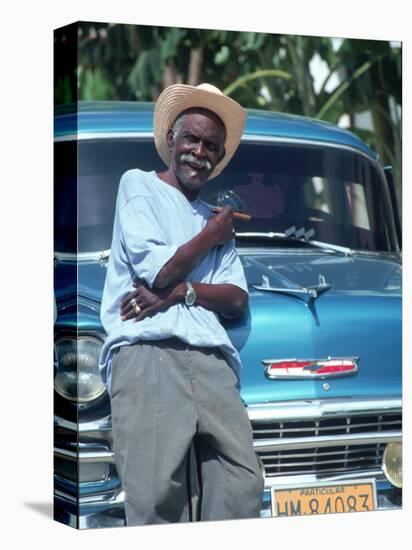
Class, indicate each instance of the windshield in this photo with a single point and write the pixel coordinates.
(84, 214)
(325, 194)
(330, 195)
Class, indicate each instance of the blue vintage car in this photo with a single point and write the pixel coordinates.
(320, 346)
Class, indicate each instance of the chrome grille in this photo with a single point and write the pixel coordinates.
(71, 470)
(324, 460)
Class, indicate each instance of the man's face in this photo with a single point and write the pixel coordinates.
(196, 148)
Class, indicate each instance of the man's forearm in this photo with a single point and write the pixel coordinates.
(185, 259)
(218, 230)
(228, 300)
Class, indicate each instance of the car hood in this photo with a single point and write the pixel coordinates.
(359, 315)
(287, 268)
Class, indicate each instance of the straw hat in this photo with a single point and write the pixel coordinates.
(177, 98)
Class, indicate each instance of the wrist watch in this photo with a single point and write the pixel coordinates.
(190, 296)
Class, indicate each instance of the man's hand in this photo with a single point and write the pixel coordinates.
(144, 302)
(228, 300)
(221, 225)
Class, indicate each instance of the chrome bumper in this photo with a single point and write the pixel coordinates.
(105, 507)
(100, 502)
(90, 512)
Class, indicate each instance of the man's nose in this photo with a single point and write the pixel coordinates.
(199, 149)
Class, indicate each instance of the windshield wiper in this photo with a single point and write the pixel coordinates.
(292, 235)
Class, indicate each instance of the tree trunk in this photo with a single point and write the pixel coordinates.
(171, 74)
(195, 66)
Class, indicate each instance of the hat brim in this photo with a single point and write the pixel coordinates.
(178, 98)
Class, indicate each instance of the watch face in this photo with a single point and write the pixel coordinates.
(190, 297)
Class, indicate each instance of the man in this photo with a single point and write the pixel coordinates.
(171, 370)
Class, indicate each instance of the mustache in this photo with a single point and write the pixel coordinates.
(200, 163)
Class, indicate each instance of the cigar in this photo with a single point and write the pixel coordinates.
(237, 215)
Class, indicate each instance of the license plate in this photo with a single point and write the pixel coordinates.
(323, 498)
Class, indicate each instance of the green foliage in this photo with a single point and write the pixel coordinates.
(63, 91)
(222, 56)
(169, 47)
(247, 78)
(144, 73)
(96, 84)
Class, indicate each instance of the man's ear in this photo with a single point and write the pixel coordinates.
(170, 138)
(222, 154)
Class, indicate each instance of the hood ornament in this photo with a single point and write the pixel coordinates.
(310, 369)
(308, 294)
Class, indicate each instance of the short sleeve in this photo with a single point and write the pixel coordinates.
(142, 239)
(229, 267)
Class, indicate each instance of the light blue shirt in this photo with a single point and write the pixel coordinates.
(152, 220)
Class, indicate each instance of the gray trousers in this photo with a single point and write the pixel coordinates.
(171, 401)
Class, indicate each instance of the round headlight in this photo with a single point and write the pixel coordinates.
(78, 377)
(392, 463)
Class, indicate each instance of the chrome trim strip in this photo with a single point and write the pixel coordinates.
(284, 444)
(246, 138)
(271, 236)
(100, 499)
(64, 496)
(318, 408)
(101, 256)
(266, 251)
(102, 135)
(311, 478)
(312, 460)
(102, 425)
(85, 456)
(323, 473)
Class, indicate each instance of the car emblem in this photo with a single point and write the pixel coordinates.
(310, 369)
